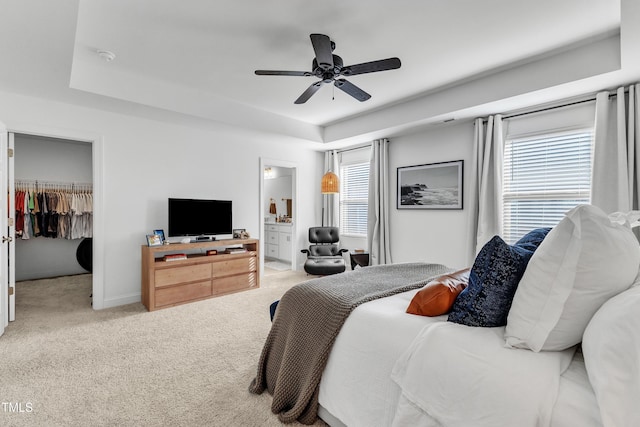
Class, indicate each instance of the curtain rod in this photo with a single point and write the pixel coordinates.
(541, 110)
(591, 98)
(354, 148)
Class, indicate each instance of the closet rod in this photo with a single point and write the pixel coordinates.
(40, 181)
(49, 184)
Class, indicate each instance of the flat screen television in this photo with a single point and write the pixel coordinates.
(199, 217)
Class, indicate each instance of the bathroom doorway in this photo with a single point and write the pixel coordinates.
(278, 218)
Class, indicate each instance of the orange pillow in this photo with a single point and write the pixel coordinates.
(437, 296)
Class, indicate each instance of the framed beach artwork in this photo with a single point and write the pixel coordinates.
(430, 186)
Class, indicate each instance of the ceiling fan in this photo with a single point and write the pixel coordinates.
(328, 67)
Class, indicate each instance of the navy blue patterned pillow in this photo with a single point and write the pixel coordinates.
(532, 239)
(493, 280)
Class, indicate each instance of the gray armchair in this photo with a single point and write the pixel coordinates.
(323, 256)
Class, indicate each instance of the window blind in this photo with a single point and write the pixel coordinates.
(543, 177)
(354, 195)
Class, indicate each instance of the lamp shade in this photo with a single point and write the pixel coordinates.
(330, 183)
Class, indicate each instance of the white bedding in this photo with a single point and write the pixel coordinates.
(576, 404)
(357, 388)
(465, 376)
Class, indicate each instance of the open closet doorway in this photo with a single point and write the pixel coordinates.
(52, 197)
(277, 213)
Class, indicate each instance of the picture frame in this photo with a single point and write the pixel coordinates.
(154, 240)
(160, 233)
(238, 233)
(431, 186)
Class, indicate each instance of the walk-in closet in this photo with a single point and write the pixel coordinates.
(53, 196)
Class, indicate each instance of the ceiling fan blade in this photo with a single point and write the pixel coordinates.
(352, 90)
(371, 67)
(308, 93)
(322, 47)
(283, 73)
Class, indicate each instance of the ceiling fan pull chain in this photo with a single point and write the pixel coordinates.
(333, 93)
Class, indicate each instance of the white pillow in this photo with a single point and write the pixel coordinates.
(585, 260)
(611, 349)
(636, 282)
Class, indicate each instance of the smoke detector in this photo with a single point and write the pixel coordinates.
(106, 55)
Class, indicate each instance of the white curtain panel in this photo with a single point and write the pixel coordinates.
(485, 192)
(330, 202)
(379, 200)
(615, 183)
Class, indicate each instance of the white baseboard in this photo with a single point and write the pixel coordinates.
(115, 302)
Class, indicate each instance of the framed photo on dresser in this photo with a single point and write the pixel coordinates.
(154, 240)
(160, 233)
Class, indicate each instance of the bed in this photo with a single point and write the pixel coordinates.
(568, 352)
(375, 337)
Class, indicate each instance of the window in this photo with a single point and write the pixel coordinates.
(354, 194)
(544, 176)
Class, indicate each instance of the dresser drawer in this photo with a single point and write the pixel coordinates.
(234, 266)
(234, 283)
(272, 228)
(188, 273)
(182, 293)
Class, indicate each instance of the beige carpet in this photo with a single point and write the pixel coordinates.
(64, 364)
(277, 265)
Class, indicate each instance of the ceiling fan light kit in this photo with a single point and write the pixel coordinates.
(328, 67)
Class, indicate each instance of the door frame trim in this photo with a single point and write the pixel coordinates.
(97, 155)
(4, 284)
(264, 162)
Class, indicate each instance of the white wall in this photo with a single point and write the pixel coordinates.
(145, 161)
(47, 159)
(435, 236)
(440, 236)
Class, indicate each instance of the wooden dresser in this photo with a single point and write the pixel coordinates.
(199, 276)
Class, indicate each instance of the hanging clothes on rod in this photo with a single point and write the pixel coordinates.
(53, 209)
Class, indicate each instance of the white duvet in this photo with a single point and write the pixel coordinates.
(356, 386)
(463, 376)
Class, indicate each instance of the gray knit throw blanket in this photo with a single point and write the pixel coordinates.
(307, 321)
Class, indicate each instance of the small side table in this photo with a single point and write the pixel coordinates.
(359, 258)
